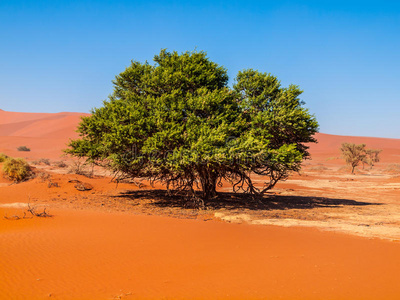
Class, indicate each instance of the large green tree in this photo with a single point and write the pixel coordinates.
(178, 122)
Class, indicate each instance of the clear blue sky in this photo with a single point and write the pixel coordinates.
(62, 55)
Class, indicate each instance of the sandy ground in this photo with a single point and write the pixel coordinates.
(338, 235)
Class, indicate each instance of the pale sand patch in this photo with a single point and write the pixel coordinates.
(372, 228)
(14, 205)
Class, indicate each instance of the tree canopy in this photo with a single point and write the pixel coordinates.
(178, 122)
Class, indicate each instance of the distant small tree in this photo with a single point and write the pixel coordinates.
(353, 154)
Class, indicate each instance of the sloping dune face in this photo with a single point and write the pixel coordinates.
(328, 147)
(46, 134)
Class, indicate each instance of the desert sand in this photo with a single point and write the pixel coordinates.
(323, 234)
(45, 134)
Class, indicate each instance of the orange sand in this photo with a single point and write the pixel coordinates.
(95, 254)
(328, 147)
(88, 255)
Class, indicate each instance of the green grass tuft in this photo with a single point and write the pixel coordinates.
(16, 169)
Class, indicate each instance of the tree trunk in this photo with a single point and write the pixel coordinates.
(208, 181)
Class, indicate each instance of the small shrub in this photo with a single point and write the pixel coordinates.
(43, 176)
(60, 164)
(16, 169)
(80, 167)
(3, 157)
(52, 184)
(23, 148)
(42, 161)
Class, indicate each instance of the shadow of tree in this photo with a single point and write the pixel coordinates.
(229, 200)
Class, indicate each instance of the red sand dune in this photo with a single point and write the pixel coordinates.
(328, 146)
(45, 134)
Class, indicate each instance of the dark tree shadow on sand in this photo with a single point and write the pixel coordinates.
(161, 198)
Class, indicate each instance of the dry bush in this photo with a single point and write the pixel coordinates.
(23, 148)
(42, 161)
(60, 164)
(81, 168)
(16, 169)
(43, 176)
(3, 157)
(52, 184)
(34, 213)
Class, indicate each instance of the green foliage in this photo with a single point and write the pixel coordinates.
(3, 157)
(16, 169)
(178, 122)
(356, 154)
(23, 148)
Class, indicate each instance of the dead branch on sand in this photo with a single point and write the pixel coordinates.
(42, 214)
(16, 217)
